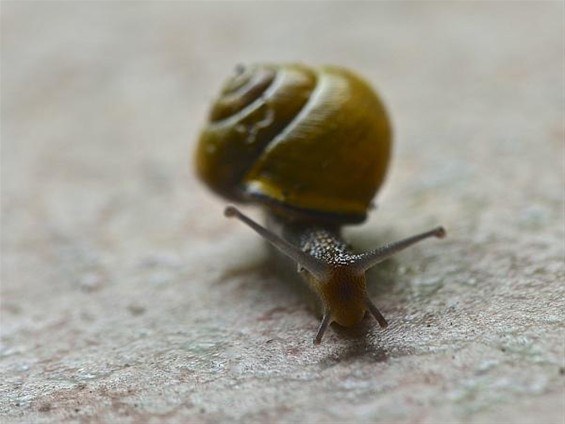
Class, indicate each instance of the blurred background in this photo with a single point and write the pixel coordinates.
(127, 296)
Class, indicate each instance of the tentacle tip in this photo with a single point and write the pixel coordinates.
(317, 341)
(230, 211)
(440, 232)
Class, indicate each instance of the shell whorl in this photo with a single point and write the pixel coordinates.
(310, 141)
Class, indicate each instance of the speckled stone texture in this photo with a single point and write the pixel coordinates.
(127, 296)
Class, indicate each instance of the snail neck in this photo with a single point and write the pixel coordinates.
(320, 240)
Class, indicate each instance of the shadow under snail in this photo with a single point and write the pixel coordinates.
(311, 146)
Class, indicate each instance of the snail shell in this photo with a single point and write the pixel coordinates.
(308, 142)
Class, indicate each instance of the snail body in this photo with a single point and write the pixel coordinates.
(311, 146)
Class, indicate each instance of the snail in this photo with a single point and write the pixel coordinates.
(311, 145)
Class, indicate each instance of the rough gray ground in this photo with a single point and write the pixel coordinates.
(127, 297)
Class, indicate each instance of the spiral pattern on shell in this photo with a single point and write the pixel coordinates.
(311, 142)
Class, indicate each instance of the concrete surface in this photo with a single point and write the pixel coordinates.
(127, 297)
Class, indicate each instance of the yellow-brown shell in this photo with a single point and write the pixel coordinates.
(313, 142)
